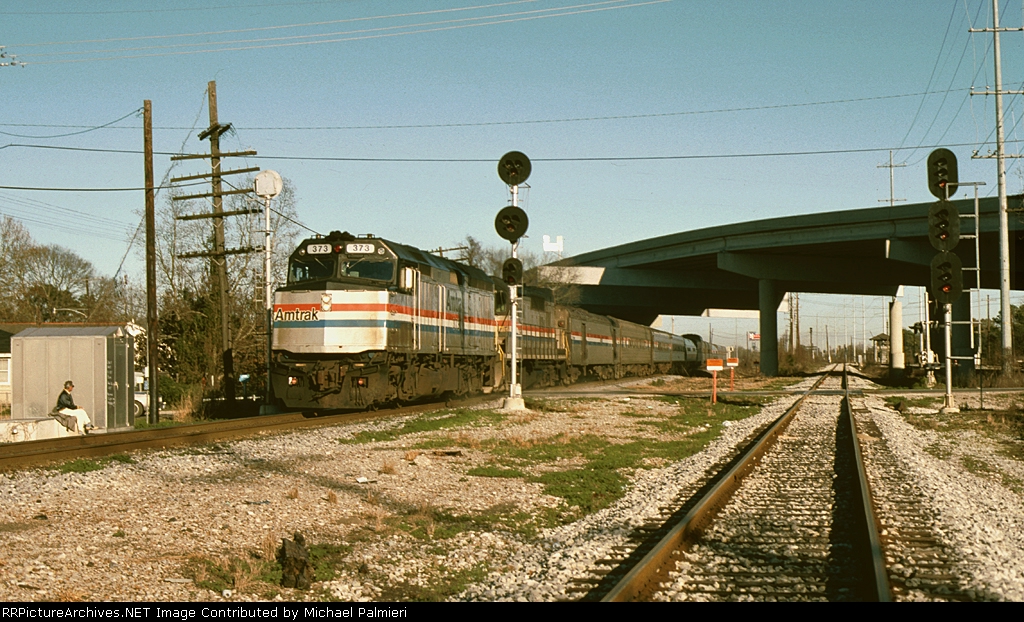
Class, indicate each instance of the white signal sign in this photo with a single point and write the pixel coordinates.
(731, 362)
(715, 365)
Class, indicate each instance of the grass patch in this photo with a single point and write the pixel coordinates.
(428, 423)
(85, 465)
(588, 489)
(977, 465)
(779, 383)
(601, 479)
(939, 450)
(253, 576)
(426, 522)
(493, 471)
(442, 584)
(326, 559)
(980, 467)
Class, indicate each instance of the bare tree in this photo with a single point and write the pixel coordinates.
(15, 242)
(190, 334)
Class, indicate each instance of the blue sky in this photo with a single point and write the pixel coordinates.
(564, 81)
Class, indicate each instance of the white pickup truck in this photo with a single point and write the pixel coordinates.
(141, 395)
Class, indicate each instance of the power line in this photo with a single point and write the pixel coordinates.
(283, 26)
(359, 37)
(76, 226)
(34, 188)
(88, 129)
(494, 123)
(719, 156)
(63, 212)
(235, 7)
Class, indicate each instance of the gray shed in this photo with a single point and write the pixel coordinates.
(100, 360)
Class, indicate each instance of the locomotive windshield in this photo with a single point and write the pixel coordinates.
(311, 268)
(373, 268)
(324, 268)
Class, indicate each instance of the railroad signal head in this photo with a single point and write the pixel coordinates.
(514, 168)
(947, 278)
(943, 226)
(512, 272)
(942, 173)
(511, 223)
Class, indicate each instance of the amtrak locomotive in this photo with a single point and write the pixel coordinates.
(364, 322)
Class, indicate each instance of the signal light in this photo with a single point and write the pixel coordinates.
(943, 226)
(942, 173)
(511, 223)
(946, 278)
(514, 168)
(512, 272)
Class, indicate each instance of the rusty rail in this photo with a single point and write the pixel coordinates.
(874, 562)
(643, 578)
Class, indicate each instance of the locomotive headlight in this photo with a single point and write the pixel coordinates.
(293, 381)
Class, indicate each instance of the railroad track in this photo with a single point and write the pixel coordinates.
(35, 453)
(789, 517)
(920, 560)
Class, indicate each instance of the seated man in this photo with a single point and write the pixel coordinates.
(66, 406)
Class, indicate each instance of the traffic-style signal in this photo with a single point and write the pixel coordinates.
(514, 168)
(947, 279)
(942, 173)
(943, 226)
(511, 223)
(512, 271)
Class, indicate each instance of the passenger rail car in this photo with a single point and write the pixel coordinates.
(366, 321)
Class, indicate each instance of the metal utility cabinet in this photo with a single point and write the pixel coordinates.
(100, 360)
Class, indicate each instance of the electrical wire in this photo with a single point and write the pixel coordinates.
(930, 78)
(62, 212)
(90, 129)
(488, 159)
(48, 189)
(378, 35)
(295, 222)
(530, 121)
(175, 10)
(284, 26)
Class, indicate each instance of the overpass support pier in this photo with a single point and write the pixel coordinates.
(768, 298)
(897, 365)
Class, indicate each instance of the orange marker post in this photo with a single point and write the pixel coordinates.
(714, 366)
(732, 363)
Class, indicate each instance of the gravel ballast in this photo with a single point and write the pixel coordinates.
(403, 517)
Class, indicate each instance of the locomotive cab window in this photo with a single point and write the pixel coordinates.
(500, 302)
(312, 268)
(371, 268)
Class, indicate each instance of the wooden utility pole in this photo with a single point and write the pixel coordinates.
(218, 257)
(219, 262)
(152, 319)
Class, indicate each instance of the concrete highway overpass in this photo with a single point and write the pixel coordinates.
(752, 265)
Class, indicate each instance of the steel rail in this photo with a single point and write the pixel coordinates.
(643, 578)
(875, 563)
(35, 453)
